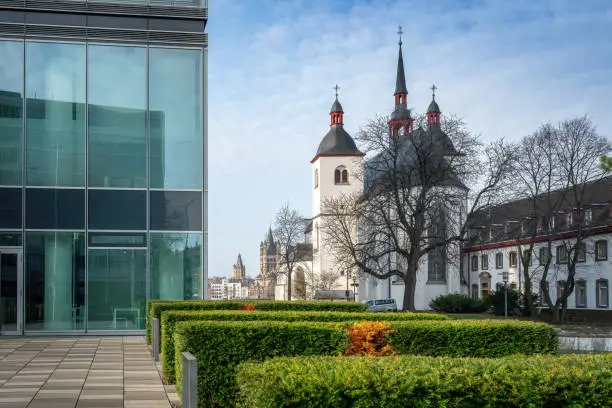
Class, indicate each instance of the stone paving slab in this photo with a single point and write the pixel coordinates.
(80, 372)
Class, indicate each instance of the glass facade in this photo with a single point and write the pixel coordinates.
(102, 192)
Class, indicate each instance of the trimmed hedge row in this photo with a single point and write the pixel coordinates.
(409, 381)
(169, 319)
(472, 338)
(220, 346)
(156, 307)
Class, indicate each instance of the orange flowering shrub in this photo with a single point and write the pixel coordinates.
(369, 338)
(248, 307)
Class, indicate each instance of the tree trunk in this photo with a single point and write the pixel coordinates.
(289, 284)
(556, 316)
(529, 293)
(409, 289)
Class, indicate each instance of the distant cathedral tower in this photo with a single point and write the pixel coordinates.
(269, 261)
(239, 269)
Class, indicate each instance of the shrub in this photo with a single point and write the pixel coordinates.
(472, 338)
(369, 338)
(408, 381)
(498, 302)
(220, 346)
(169, 319)
(155, 307)
(458, 303)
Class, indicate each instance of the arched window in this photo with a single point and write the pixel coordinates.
(316, 177)
(341, 175)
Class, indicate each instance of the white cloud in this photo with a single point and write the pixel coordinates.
(506, 67)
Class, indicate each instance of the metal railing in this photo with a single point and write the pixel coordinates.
(169, 3)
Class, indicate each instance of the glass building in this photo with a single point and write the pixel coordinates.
(103, 139)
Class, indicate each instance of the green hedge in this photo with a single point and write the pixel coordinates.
(155, 307)
(169, 319)
(220, 346)
(472, 338)
(409, 381)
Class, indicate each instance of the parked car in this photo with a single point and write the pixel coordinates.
(381, 305)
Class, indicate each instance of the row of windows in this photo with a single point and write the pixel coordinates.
(600, 252)
(602, 294)
(107, 209)
(341, 176)
(101, 116)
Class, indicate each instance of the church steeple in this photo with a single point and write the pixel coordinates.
(401, 120)
(433, 111)
(336, 113)
(401, 93)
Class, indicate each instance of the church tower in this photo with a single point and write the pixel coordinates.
(239, 269)
(337, 169)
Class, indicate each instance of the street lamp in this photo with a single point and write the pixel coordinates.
(505, 280)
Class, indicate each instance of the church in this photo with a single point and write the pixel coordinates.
(340, 168)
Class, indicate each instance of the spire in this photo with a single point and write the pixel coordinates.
(270, 237)
(401, 120)
(239, 261)
(336, 112)
(433, 111)
(400, 80)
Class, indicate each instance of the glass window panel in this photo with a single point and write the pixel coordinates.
(55, 281)
(116, 285)
(10, 239)
(117, 98)
(176, 210)
(11, 111)
(176, 266)
(48, 208)
(55, 114)
(176, 118)
(10, 208)
(98, 239)
(117, 209)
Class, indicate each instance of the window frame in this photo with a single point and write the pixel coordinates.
(581, 283)
(544, 259)
(598, 302)
(499, 257)
(581, 250)
(598, 255)
(484, 261)
(561, 250)
(474, 263)
(511, 255)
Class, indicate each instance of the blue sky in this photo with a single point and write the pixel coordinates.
(505, 66)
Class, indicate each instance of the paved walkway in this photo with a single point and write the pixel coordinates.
(79, 372)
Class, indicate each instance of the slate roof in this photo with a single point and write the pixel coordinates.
(337, 141)
(400, 79)
(597, 195)
(427, 145)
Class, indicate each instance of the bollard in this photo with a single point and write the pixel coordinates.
(156, 340)
(189, 381)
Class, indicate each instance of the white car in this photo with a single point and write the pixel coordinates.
(381, 305)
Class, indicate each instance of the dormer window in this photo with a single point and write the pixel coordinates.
(588, 216)
(341, 175)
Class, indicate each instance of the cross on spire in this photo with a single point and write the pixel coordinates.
(400, 32)
(336, 89)
(433, 91)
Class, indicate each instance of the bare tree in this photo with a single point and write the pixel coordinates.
(553, 168)
(289, 233)
(415, 201)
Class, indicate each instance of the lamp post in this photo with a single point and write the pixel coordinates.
(505, 279)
